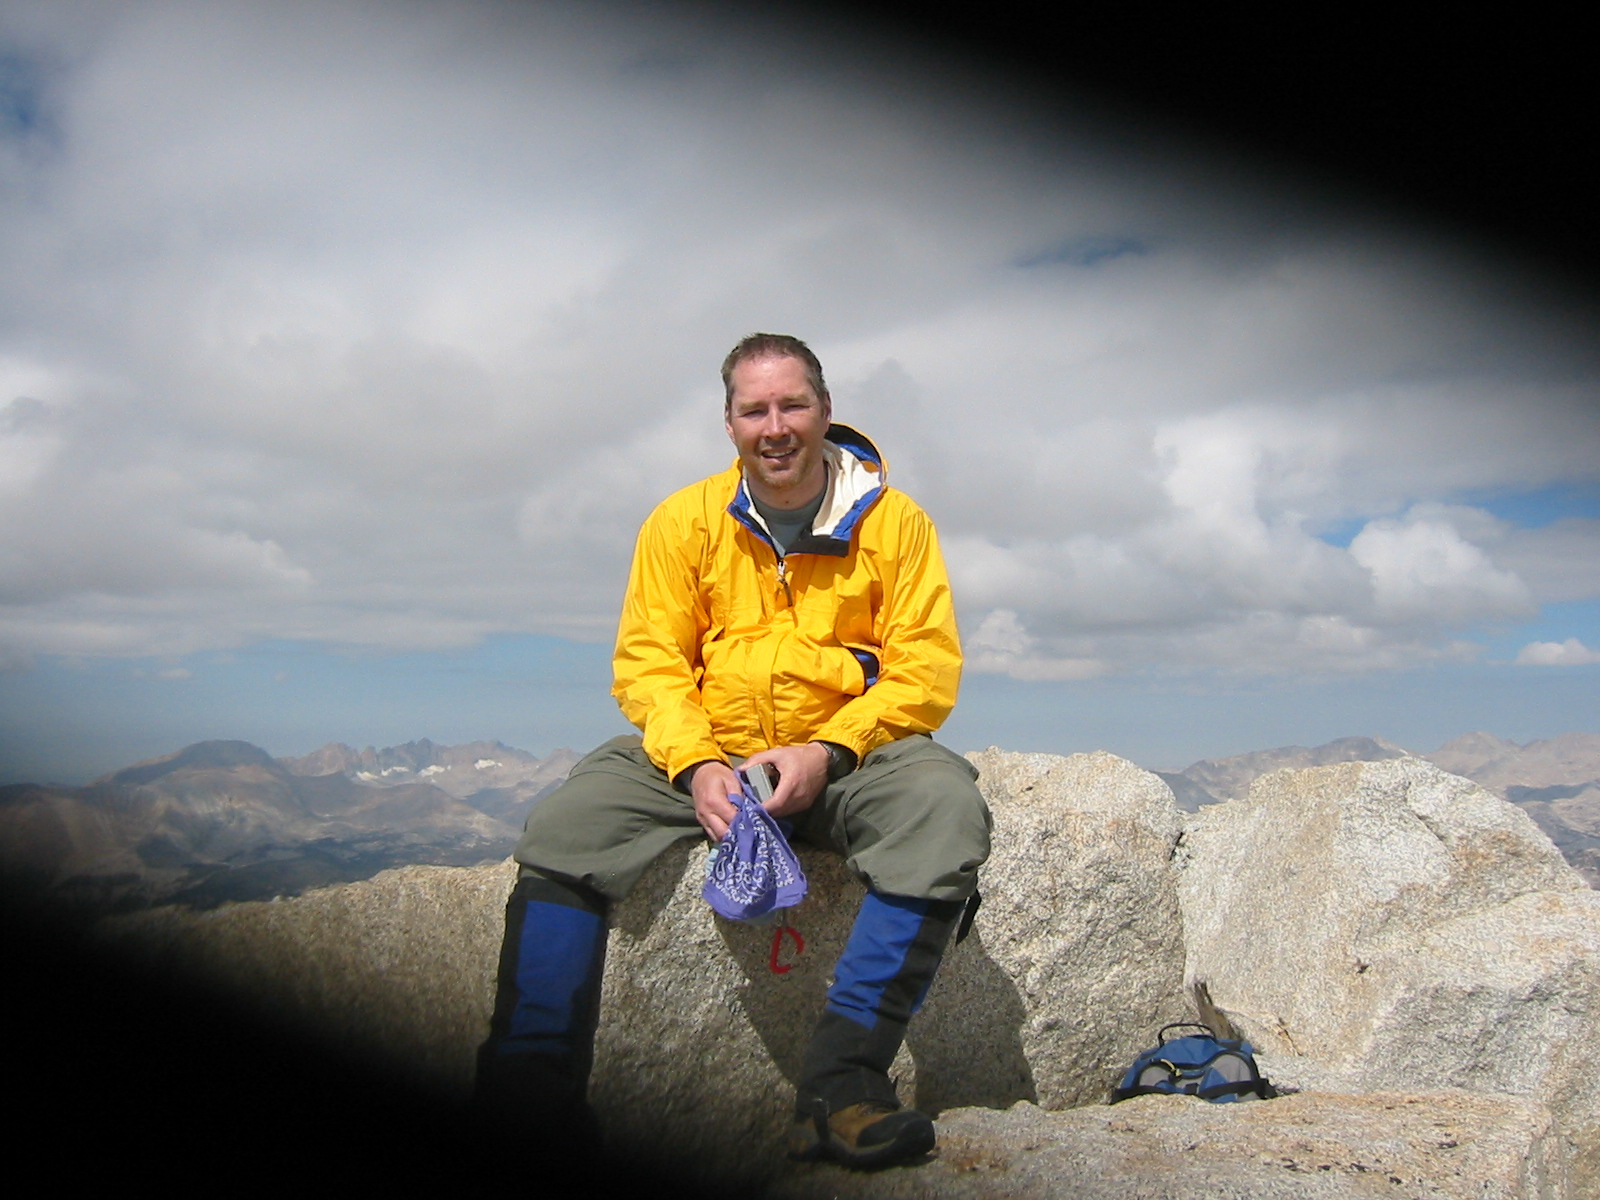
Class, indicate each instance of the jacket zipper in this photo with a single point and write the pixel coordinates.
(783, 578)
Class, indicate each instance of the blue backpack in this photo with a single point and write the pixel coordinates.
(1200, 1064)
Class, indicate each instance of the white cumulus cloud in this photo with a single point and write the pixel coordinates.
(1423, 568)
(1570, 653)
(385, 325)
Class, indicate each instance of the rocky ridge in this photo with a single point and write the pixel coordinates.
(1214, 779)
(225, 820)
(221, 821)
(1555, 781)
(1405, 949)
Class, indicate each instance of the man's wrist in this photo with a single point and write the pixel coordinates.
(841, 759)
(684, 781)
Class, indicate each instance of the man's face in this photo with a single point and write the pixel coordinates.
(777, 424)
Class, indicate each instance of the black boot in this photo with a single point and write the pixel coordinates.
(533, 1071)
(845, 1107)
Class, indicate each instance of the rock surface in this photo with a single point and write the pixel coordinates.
(1230, 778)
(400, 966)
(1407, 948)
(1403, 929)
(1556, 782)
(1307, 1147)
(1075, 959)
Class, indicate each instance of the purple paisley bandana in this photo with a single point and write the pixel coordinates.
(752, 870)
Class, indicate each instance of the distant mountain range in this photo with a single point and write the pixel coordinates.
(1556, 781)
(221, 821)
(226, 821)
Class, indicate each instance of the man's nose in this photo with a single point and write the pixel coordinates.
(773, 426)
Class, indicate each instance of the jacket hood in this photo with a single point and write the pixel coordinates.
(857, 477)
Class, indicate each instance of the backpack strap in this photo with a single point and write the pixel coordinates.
(1259, 1088)
(967, 914)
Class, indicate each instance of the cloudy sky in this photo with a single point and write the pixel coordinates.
(344, 345)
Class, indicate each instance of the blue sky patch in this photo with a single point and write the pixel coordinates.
(1086, 250)
(67, 721)
(1526, 510)
(1533, 510)
(1342, 533)
(20, 105)
(1555, 623)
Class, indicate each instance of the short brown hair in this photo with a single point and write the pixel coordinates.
(772, 345)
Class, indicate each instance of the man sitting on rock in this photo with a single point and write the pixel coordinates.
(792, 610)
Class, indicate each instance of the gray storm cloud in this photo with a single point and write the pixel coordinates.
(386, 324)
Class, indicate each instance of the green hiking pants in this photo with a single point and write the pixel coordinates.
(909, 821)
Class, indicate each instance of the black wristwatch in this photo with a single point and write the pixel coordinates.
(841, 760)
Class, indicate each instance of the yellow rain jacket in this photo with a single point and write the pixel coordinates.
(724, 648)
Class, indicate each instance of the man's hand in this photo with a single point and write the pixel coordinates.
(802, 774)
(711, 786)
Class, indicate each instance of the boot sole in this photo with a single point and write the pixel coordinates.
(915, 1140)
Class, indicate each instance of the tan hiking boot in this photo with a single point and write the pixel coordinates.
(866, 1135)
